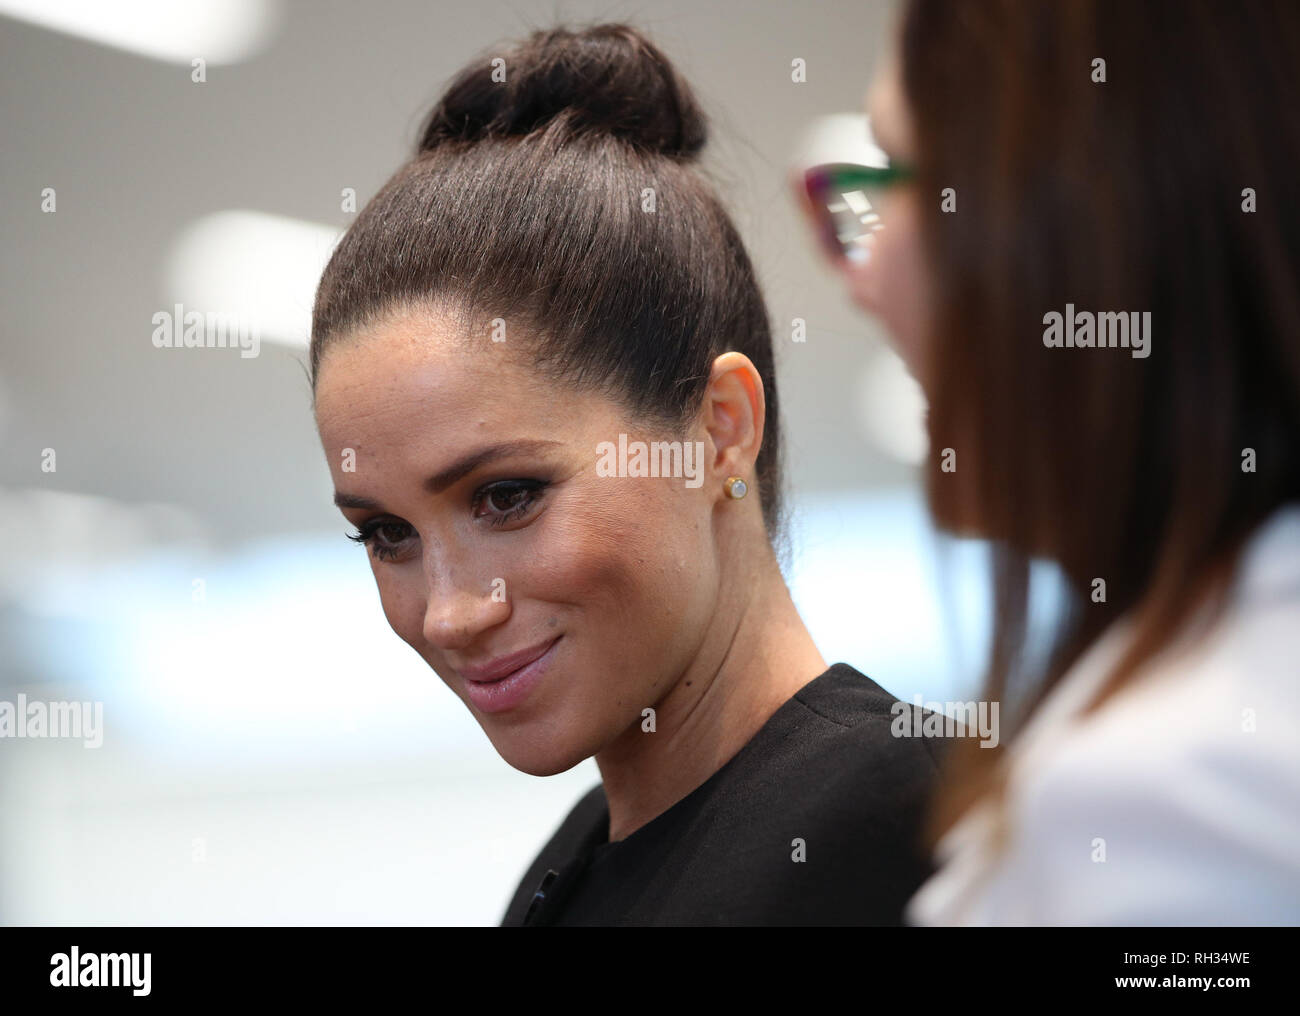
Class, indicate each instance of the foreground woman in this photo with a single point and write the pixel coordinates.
(1089, 256)
(544, 382)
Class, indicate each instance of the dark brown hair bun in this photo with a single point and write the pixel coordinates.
(609, 79)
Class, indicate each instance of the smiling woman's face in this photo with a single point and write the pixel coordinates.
(494, 541)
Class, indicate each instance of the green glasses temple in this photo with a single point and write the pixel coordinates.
(844, 175)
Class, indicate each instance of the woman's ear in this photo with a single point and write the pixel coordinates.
(733, 414)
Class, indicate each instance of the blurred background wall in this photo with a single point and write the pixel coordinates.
(271, 752)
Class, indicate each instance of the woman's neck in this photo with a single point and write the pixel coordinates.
(757, 655)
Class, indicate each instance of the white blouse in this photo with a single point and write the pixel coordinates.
(1177, 802)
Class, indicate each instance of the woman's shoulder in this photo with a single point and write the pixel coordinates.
(1221, 708)
(1178, 800)
(832, 765)
(1170, 808)
(850, 721)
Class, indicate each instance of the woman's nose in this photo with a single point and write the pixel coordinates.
(458, 612)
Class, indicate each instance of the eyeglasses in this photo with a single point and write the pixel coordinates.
(843, 200)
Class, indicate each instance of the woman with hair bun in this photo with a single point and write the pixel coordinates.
(549, 408)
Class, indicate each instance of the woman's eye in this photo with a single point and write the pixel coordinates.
(507, 500)
(384, 538)
(499, 503)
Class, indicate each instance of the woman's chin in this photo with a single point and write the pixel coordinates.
(538, 759)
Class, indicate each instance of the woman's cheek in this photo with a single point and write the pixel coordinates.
(402, 597)
(623, 563)
(587, 559)
(891, 284)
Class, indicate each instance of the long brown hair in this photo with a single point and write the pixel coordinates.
(1116, 157)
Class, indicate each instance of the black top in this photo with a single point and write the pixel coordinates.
(824, 770)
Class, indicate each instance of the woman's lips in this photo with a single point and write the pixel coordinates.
(505, 682)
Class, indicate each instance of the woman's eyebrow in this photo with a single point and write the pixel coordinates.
(466, 464)
(459, 469)
(342, 500)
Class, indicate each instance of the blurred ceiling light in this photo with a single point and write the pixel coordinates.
(892, 409)
(219, 31)
(260, 268)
